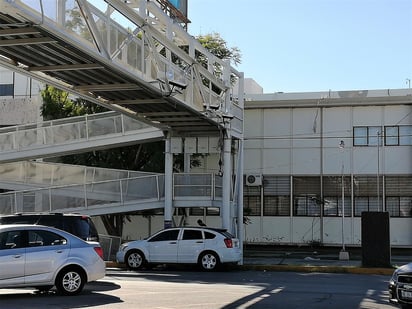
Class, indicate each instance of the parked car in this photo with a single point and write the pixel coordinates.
(42, 257)
(207, 247)
(80, 225)
(400, 286)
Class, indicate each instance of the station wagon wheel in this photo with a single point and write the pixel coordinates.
(135, 260)
(209, 261)
(70, 281)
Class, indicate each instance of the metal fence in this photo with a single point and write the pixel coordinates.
(110, 193)
(67, 130)
(110, 245)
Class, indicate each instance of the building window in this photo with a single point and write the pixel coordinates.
(332, 191)
(6, 90)
(306, 196)
(366, 136)
(398, 196)
(366, 194)
(392, 136)
(398, 135)
(251, 201)
(276, 201)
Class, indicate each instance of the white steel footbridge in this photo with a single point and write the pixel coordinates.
(135, 58)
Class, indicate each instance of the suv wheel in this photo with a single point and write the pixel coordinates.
(70, 281)
(135, 260)
(209, 261)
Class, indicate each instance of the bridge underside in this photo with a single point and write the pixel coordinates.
(140, 73)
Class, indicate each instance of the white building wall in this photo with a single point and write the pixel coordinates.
(22, 106)
(300, 140)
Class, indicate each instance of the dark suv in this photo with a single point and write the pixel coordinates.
(79, 225)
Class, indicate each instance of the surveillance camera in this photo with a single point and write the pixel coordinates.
(228, 116)
(214, 107)
(177, 84)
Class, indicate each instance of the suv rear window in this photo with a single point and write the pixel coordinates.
(79, 225)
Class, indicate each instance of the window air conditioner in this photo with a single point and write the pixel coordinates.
(254, 180)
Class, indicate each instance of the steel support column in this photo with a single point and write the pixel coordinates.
(227, 177)
(168, 211)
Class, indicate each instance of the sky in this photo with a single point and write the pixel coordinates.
(314, 45)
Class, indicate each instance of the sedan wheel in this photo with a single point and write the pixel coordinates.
(70, 282)
(135, 260)
(209, 261)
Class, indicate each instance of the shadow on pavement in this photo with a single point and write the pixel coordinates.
(92, 295)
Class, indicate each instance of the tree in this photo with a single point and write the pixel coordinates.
(218, 47)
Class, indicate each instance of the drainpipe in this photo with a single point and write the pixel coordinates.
(168, 183)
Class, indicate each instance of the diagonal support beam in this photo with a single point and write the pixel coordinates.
(88, 17)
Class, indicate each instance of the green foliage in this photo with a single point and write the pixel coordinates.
(218, 47)
(58, 104)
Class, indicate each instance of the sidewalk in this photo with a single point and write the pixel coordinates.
(324, 259)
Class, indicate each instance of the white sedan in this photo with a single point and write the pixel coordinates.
(207, 247)
(42, 257)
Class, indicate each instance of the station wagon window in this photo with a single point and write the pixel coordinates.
(45, 238)
(165, 235)
(11, 240)
(192, 234)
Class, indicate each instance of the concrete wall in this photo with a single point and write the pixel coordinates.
(22, 106)
(297, 135)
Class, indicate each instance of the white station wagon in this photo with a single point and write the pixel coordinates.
(207, 247)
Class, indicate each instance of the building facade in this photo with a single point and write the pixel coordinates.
(309, 157)
(20, 101)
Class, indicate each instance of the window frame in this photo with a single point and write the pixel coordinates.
(370, 140)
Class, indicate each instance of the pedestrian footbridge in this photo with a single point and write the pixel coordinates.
(73, 135)
(51, 187)
(129, 56)
(135, 58)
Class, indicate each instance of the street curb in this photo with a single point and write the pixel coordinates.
(302, 268)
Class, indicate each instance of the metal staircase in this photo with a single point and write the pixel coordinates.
(43, 187)
(73, 135)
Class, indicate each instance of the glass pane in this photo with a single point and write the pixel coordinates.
(361, 205)
(347, 206)
(391, 136)
(405, 135)
(330, 207)
(360, 136)
(373, 134)
(251, 205)
(405, 206)
(392, 206)
(276, 206)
